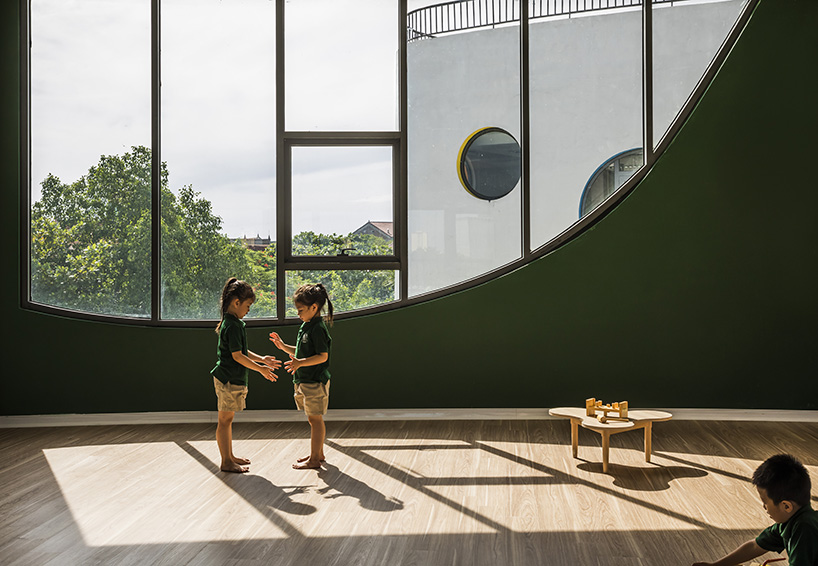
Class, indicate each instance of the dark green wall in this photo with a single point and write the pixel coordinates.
(699, 290)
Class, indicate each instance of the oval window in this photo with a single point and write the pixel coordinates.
(489, 163)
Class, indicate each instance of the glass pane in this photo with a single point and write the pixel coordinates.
(218, 143)
(348, 289)
(586, 105)
(686, 37)
(90, 156)
(462, 81)
(341, 65)
(342, 200)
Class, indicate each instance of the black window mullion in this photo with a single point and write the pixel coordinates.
(156, 166)
(282, 170)
(647, 81)
(401, 204)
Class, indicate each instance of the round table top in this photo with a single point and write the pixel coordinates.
(635, 416)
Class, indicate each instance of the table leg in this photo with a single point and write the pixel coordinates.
(606, 446)
(648, 440)
(574, 436)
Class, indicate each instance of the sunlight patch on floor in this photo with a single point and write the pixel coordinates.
(148, 494)
(164, 492)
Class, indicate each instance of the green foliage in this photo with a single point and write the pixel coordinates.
(91, 249)
(91, 238)
(348, 289)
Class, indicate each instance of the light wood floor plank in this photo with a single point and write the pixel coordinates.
(392, 493)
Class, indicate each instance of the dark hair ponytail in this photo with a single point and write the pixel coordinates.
(234, 289)
(309, 295)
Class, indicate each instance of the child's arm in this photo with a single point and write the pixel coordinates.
(269, 361)
(276, 339)
(313, 360)
(265, 371)
(745, 552)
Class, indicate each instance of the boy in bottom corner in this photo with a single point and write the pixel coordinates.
(784, 487)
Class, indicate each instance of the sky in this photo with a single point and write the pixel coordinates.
(90, 80)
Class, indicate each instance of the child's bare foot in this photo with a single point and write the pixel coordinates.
(234, 468)
(307, 464)
(306, 458)
(240, 461)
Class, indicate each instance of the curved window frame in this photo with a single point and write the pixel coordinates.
(396, 139)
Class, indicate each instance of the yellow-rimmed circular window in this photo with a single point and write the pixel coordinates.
(489, 163)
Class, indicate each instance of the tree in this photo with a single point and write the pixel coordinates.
(91, 244)
(348, 289)
(91, 249)
(91, 238)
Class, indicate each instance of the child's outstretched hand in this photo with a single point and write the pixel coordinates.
(293, 364)
(267, 373)
(271, 362)
(276, 339)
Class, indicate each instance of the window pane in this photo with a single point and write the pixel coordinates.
(586, 106)
(348, 289)
(218, 141)
(90, 156)
(342, 200)
(464, 80)
(686, 37)
(341, 65)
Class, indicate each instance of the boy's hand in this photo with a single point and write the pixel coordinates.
(271, 362)
(292, 365)
(276, 339)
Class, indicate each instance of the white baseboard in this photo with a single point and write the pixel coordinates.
(181, 417)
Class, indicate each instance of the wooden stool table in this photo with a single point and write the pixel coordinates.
(636, 420)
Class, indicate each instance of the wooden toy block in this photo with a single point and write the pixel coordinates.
(620, 410)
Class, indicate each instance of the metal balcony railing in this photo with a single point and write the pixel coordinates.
(462, 15)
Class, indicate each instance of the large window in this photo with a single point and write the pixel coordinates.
(219, 142)
(90, 156)
(589, 106)
(459, 84)
(393, 150)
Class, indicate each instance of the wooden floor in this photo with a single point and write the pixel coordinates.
(391, 493)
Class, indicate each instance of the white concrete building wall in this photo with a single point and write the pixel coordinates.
(585, 107)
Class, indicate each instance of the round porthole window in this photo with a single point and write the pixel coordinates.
(489, 163)
(608, 178)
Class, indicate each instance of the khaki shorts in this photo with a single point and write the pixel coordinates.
(312, 398)
(231, 396)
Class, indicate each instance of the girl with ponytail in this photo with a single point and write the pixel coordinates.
(309, 365)
(230, 373)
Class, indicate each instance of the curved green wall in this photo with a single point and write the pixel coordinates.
(699, 290)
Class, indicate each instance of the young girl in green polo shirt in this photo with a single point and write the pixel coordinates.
(309, 365)
(230, 373)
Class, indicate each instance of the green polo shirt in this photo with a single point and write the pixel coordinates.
(313, 338)
(799, 536)
(232, 338)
